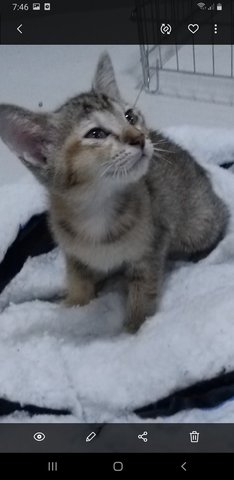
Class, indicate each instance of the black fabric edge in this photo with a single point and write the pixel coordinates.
(226, 165)
(8, 407)
(204, 395)
(32, 239)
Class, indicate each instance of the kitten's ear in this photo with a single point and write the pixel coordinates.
(104, 79)
(28, 135)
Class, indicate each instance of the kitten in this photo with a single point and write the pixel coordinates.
(122, 198)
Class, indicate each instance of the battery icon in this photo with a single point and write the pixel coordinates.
(219, 6)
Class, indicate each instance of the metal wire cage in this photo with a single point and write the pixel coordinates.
(200, 72)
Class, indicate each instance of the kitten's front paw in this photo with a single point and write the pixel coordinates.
(132, 326)
(81, 298)
(80, 293)
(74, 301)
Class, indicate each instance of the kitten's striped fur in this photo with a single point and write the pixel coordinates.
(124, 201)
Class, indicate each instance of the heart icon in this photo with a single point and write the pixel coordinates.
(193, 27)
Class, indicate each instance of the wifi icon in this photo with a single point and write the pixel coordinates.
(201, 5)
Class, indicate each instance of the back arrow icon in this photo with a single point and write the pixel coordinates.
(19, 28)
(183, 466)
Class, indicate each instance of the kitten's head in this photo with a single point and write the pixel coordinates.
(94, 136)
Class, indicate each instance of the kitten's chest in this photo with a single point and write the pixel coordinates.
(96, 227)
(105, 257)
(105, 238)
(111, 252)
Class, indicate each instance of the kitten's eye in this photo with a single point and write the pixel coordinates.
(97, 133)
(131, 116)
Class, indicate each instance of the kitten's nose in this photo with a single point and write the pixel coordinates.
(133, 136)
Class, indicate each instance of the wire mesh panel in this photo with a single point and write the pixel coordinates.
(184, 69)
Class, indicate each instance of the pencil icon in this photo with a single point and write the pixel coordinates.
(90, 437)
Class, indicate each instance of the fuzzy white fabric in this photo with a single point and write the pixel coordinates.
(80, 358)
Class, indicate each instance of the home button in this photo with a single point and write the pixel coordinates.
(117, 466)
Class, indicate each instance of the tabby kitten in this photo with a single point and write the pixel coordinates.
(122, 198)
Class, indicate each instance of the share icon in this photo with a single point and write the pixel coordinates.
(143, 437)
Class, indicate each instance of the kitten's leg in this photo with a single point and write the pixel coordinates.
(145, 280)
(81, 283)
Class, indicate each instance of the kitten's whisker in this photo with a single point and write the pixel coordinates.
(160, 141)
(115, 171)
(109, 166)
(161, 157)
(157, 153)
(162, 150)
(119, 168)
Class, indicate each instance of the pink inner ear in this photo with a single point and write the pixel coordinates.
(29, 143)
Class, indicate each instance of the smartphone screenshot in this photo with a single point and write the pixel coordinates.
(116, 236)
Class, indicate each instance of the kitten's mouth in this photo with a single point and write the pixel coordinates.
(137, 162)
(127, 167)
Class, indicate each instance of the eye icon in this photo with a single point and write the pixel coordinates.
(39, 436)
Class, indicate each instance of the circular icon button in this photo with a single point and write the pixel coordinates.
(39, 436)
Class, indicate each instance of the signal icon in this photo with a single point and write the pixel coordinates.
(201, 5)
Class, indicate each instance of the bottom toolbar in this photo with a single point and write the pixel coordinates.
(120, 438)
